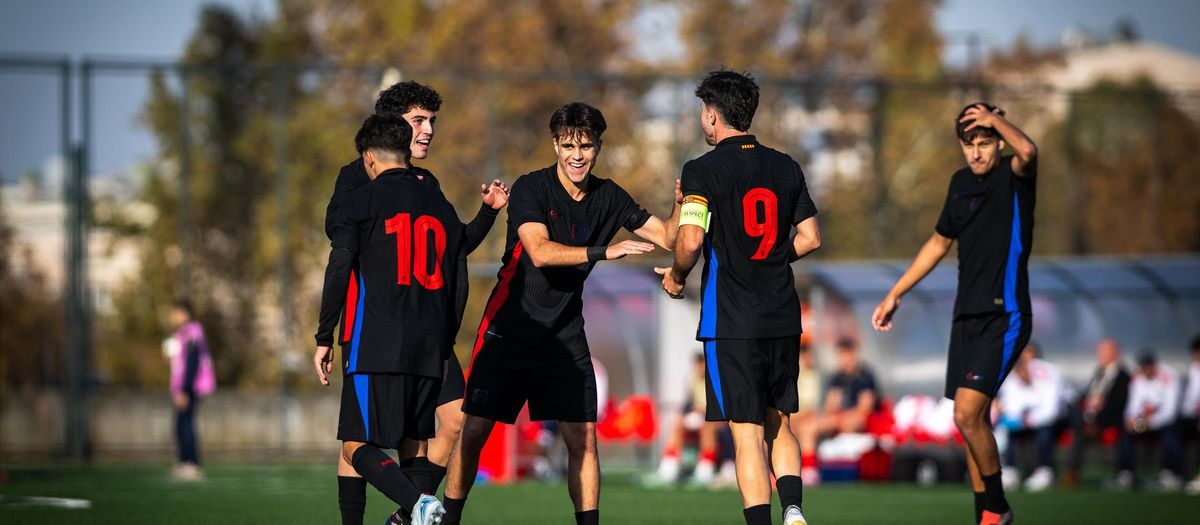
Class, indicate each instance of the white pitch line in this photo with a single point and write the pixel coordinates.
(44, 501)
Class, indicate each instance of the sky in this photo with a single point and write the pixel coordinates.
(160, 29)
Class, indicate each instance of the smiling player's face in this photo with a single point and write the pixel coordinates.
(422, 121)
(576, 155)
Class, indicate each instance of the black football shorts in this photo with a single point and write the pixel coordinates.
(983, 350)
(745, 377)
(556, 379)
(453, 385)
(386, 409)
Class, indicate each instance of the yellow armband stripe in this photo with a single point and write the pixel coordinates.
(695, 213)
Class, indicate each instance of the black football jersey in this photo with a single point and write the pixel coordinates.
(991, 217)
(540, 306)
(406, 244)
(755, 195)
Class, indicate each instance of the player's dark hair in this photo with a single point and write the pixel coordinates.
(847, 344)
(733, 95)
(968, 137)
(577, 120)
(385, 134)
(186, 306)
(1196, 343)
(402, 97)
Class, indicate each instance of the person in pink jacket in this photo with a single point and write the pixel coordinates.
(191, 379)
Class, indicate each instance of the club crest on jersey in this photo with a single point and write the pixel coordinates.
(553, 214)
(747, 146)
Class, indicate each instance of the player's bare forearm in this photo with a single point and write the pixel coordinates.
(806, 241)
(661, 232)
(927, 258)
(1024, 150)
(688, 244)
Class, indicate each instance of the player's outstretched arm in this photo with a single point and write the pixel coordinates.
(807, 239)
(1025, 151)
(494, 197)
(545, 253)
(663, 231)
(687, 253)
(932, 252)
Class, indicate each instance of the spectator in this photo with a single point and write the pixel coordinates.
(851, 396)
(692, 420)
(804, 421)
(1150, 414)
(191, 378)
(1032, 407)
(1189, 428)
(1102, 409)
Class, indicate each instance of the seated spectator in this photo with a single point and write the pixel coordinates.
(692, 421)
(1189, 427)
(1101, 409)
(1151, 415)
(852, 393)
(1032, 406)
(804, 421)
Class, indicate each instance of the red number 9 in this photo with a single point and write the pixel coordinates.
(767, 228)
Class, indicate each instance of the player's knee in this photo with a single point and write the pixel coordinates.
(474, 431)
(968, 418)
(348, 449)
(451, 424)
(579, 438)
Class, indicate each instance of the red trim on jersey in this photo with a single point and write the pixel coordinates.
(351, 308)
(494, 304)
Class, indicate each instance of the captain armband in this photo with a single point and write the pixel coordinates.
(694, 211)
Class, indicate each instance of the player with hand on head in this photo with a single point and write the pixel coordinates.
(989, 211)
(531, 344)
(741, 201)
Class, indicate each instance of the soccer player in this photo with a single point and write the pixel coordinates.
(417, 104)
(989, 210)
(741, 200)
(531, 344)
(406, 242)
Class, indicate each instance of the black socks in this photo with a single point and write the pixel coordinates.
(352, 499)
(980, 501)
(438, 473)
(993, 493)
(791, 491)
(419, 471)
(588, 517)
(758, 514)
(454, 510)
(382, 472)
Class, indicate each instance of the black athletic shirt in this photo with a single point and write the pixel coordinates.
(407, 243)
(852, 385)
(991, 217)
(544, 306)
(755, 195)
(354, 175)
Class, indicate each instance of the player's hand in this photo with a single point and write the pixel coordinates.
(180, 400)
(678, 192)
(672, 286)
(630, 247)
(979, 116)
(494, 195)
(323, 362)
(882, 318)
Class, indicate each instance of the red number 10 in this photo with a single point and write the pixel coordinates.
(405, 229)
(768, 228)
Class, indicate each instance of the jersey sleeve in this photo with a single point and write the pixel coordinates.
(349, 178)
(526, 203)
(351, 216)
(696, 194)
(804, 207)
(631, 215)
(944, 226)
